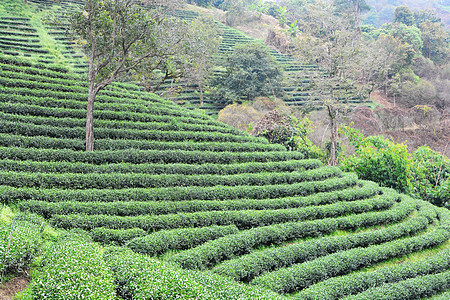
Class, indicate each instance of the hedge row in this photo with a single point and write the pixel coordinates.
(44, 142)
(27, 63)
(214, 252)
(242, 219)
(25, 244)
(338, 287)
(73, 269)
(300, 276)
(145, 156)
(28, 129)
(141, 277)
(77, 85)
(10, 194)
(72, 100)
(186, 169)
(414, 288)
(134, 208)
(178, 239)
(115, 236)
(38, 107)
(174, 125)
(255, 264)
(133, 180)
(29, 69)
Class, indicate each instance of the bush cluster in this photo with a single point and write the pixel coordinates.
(305, 274)
(214, 252)
(178, 239)
(132, 180)
(11, 194)
(132, 208)
(141, 277)
(253, 265)
(339, 287)
(143, 156)
(109, 236)
(73, 269)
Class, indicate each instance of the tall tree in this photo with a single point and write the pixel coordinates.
(121, 36)
(403, 14)
(331, 42)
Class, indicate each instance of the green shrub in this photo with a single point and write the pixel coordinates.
(379, 159)
(141, 277)
(11, 194)
(73, 269)
(133, 208)
(339, 287)
(302, 275)
(178, 239)
(431, 176)
(414, 288)
(252, 265)
(115, 236)
(20, 242)
(242, 219)
(132, 180)
(214, 252)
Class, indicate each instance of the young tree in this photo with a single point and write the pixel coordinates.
(120, 36)
(251, 72)
(332, 43)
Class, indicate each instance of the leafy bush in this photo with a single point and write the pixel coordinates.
(20, 242)
(11, 194)
(339, 287)
(431, 176)
(73, 269)
(178, 239)
(252, 265)
(213, 252)
(133, 208)
(141, 277)
(115, 236)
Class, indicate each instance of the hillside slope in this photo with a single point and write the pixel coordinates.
(175, 205)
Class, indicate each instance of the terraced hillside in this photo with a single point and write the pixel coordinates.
(223, 214)
(23, 34)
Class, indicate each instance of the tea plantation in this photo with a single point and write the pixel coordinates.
(175, 205)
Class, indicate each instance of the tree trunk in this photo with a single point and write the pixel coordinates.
(90, 120)
(333, 138)
(201, 94)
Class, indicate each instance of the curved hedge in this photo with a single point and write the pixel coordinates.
(178, 239)
(303, 275)
(10, 194)
(214, 252)
(133, 208)
(253, 265)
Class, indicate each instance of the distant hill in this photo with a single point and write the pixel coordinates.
(383, 10)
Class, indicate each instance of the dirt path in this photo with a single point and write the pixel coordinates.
(9, 289)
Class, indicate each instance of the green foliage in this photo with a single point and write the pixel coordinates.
(303, 275)
(115, 236)
(178, 239)
(359, 282)
(249, 266)
(12, 195)
(403, 14)
(73, 269)
(426, 174)
(214, 252)
(431, 176)
(20, 242)
(378, 159)
(251, 72)
(141, 277)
